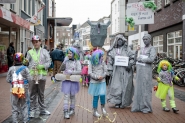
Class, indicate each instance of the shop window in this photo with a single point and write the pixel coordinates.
(174, 44)
(158, 43)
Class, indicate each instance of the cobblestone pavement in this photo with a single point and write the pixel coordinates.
(54, 102)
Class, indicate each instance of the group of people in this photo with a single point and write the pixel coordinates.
(21, 76)
(121, 91)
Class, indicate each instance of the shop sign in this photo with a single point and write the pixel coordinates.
(6, 14)
(139, 13)
(7, 1)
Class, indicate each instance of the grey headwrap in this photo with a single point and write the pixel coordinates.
(148, 36)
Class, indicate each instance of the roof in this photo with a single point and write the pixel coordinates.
(60, 21)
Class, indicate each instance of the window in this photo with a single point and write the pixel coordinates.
(68, 34)
(57, 33)
(118, 24)
(64, 34)
(135, 44)
(174, 44)
(29, 7)
(159, 3)
(118, 6)
(167, 2)
(25, 5)
(115, 25)
(115, 8)
(12, 6)
(158, 43)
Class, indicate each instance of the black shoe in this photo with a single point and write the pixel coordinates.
(175, 110)
(166, 109)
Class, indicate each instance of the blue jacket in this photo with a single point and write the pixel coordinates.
(57, 55)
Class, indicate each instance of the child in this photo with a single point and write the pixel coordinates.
(85, 70)
(70, 88)
(97, 86)
(165, 85)
(19, 97)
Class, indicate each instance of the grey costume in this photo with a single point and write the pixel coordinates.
(120, 88)
(19, 103)
(38, 89)
(143, 89)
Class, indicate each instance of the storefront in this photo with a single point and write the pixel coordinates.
(10, 25)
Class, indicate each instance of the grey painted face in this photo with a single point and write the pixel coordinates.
(120, 43)
(146, 41)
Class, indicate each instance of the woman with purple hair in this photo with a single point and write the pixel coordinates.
(97, 88)
(71, 66)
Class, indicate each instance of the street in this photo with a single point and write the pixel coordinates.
(54, 102)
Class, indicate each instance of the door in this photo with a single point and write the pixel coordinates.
(178, 52)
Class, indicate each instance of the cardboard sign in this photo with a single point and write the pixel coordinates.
(121, 61)
(139, 13)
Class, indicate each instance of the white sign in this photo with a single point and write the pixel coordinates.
(142, 57)
(6, 14)
(139, 13)
(7, 1)
(121, 61)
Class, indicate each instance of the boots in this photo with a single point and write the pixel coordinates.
(175, 110)
(104, 112)
(95, 113)
(71, 112)
(166, 109)
(66, 114)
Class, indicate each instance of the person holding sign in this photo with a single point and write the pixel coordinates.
(120, 61)
(143, 88)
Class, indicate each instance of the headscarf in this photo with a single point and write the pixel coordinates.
(96, 58)
(74, 52)
(148, 36)
(115, 42)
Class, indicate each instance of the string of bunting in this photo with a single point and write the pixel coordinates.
(130, 21)
(150, 5)
(100, 118)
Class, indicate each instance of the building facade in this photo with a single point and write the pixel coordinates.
(168, 28)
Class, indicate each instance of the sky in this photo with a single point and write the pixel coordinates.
(81, 10)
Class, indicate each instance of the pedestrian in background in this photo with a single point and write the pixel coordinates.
(57, 57)
(97, 87)
(10, 53)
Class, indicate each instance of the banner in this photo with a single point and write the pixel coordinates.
(139, 13)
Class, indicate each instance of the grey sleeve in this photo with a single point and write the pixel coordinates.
(9, 76)
(104, 70)
(110, 62)
(152, 56)
(92, 75)
(47, 62)
(78, 68)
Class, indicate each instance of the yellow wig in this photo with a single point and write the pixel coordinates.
(164, 62)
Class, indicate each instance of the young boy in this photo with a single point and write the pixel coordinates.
(18, 76)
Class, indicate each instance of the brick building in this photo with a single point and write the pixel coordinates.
(167, 29)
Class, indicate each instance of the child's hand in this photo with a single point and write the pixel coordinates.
(100, 78)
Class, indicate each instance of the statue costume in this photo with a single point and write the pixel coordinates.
(120, 88)
(143, 88)
(98, 33)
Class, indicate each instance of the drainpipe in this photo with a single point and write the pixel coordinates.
(183, 30)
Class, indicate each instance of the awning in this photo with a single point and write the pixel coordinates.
(106, 47)
(60, 21)
(9, 16)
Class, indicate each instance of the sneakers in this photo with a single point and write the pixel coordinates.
(175, 110)
(71, 112)
(32, 114)
(44, 112)
(104, 112)
(53, 79)
(166, 109)
(117, 106)
(66, 114)
(86, 85)
(95, 113)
